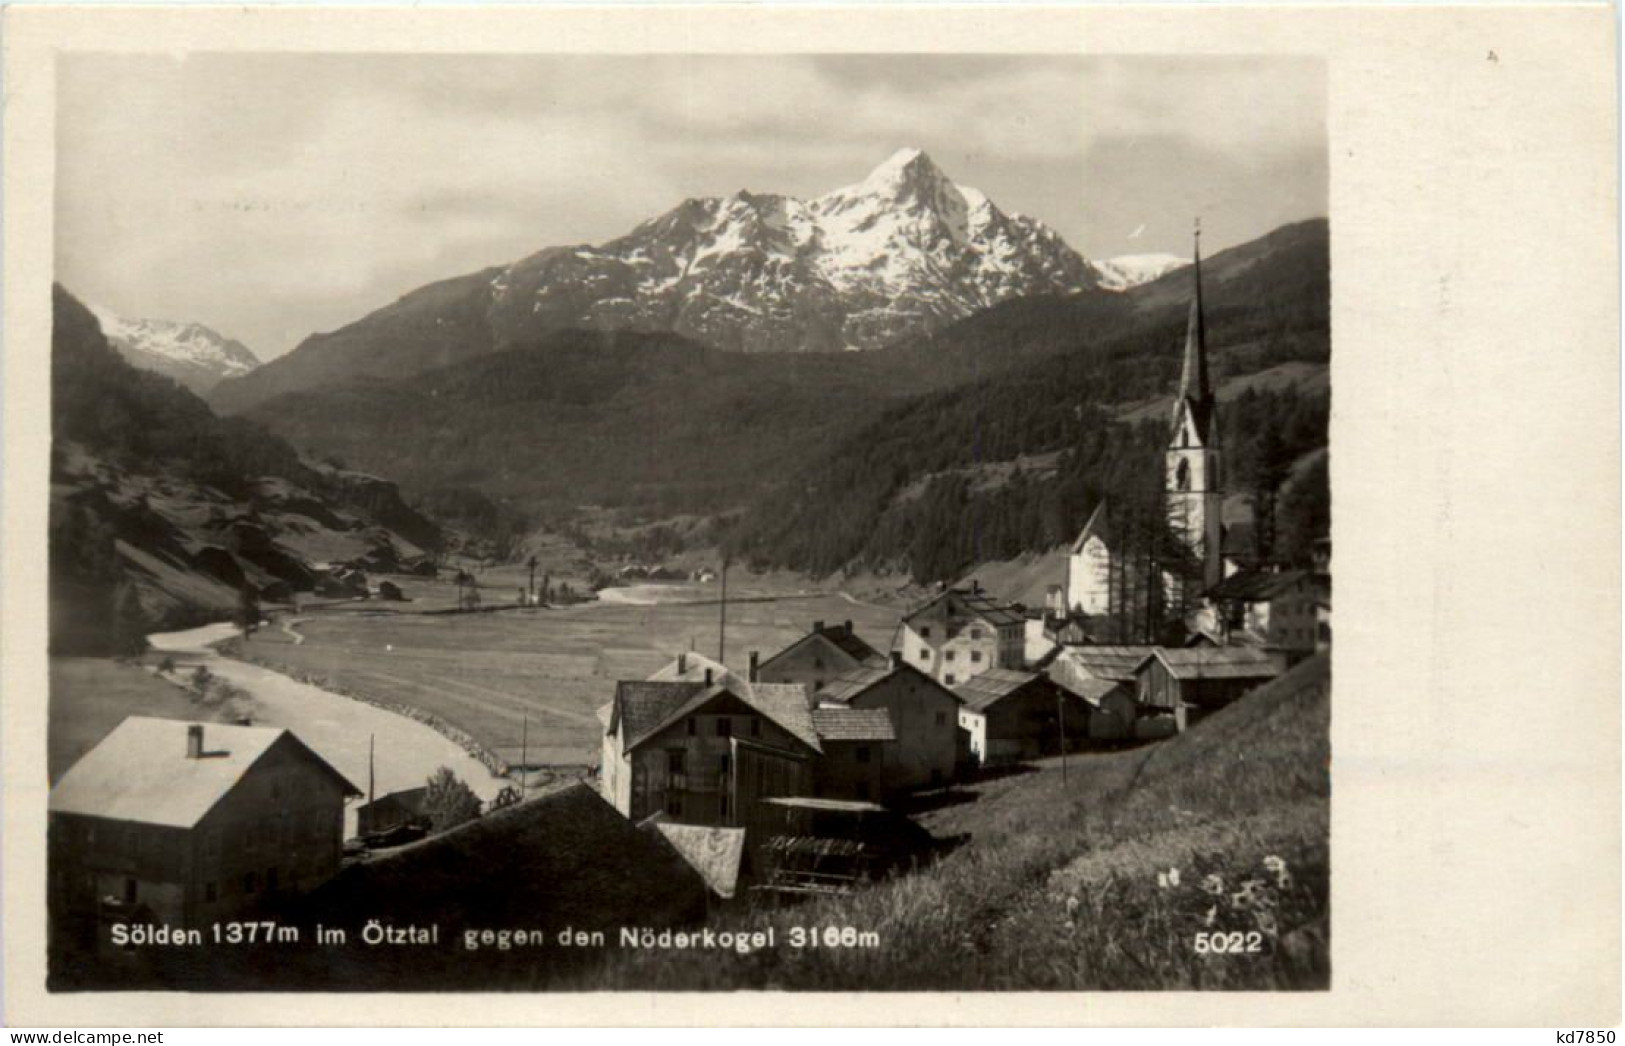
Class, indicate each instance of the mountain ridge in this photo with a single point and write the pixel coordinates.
(195, 355)
(902, 251)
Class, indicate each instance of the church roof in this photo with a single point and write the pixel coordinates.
(1095, 527)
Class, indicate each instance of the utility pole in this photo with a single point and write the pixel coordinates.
(1060, 718)
(524, 755)
(371, 739)
(722, 623)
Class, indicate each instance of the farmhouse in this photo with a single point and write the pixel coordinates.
(1010, 716)
(1274, 607)
(676, 747)
(162, 822)
(961, 633)
(924, 718)
(816, 658)
(1188, 683)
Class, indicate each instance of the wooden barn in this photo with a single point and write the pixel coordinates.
(1187, 683)
(1010, 716)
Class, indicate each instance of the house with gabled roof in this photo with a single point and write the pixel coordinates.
(1009, 716)
(856, 744)
(675, 747)
(185, 824)
(1102, 676)
(1277, 608)
(924, 718)
(691, 666)
(960, 633)
(817, 657)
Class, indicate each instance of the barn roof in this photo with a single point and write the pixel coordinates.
(1227, 662)
(1116, 663)
(844, 687)
(983, 691)
(649, 707)
(842, 637)
(854, 724)
(563, 859)
(715, 853)
(141, 772)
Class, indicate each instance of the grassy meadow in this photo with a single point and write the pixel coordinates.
(1103, 882)
(489, 672)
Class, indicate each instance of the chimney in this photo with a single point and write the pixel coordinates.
(818, 626)
(707, 677)
(849, 626)
(897, 659)
(755, 665)
(975, 587)
(194, 741)
(682, 662)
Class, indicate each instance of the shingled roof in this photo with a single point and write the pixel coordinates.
(141, 771)
(854, 724)
(972, 603)
(1116, 663)
(842, 637)
(982, 691)
(1225, 662)
(649, 707)
(843, 688)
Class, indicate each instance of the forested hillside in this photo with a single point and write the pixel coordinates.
(163, 514)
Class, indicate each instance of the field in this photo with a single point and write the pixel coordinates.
(1103, 881)
(92, 695)
(490, 672)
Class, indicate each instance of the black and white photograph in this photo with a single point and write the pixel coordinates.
(706, 522)
(777, 515)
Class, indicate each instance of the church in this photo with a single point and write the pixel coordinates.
(1193, 493)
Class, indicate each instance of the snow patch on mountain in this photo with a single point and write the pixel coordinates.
(194, 355)
(1130, 270)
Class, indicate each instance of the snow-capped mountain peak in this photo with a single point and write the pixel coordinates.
(1130, 270)
(191, 353)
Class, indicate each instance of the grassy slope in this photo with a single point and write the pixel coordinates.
(1057, 888)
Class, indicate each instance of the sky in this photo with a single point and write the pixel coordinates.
(271, 196)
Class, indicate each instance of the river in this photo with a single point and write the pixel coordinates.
(335, 726)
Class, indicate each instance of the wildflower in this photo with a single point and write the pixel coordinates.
(1274, 865)
(1071, 907)
(1173, 877)
(1265, 920)
(1162, 880)
(1212, 914)
(1213, 884)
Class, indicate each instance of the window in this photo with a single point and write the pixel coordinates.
(723, 763)
(949, 679)
(948, 656)
(818, 684)
(976, 657)
(975, 632)
(818, 662)
(1182, 475)
(861, 753)
(925, 655)
(925, 633)
(725, 726)
(674, 761)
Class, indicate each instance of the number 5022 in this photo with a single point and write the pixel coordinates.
(1233, 942)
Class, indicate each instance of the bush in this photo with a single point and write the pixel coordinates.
(449, 801)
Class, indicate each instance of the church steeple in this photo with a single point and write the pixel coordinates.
(1195, 388)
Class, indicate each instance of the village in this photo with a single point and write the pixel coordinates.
(760, 778)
